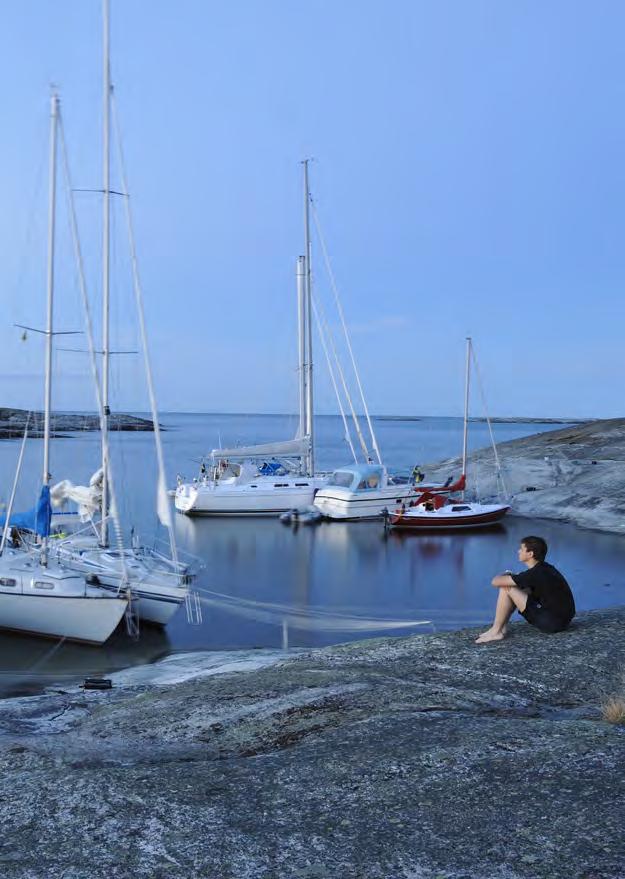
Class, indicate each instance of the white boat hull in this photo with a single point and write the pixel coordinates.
(155, 607)
(157, 593)
(52, 601)
(88, 619)
(340, 503)
(265, 496)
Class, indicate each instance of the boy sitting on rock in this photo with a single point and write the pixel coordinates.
(540, 594)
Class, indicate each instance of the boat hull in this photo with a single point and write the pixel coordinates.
(436, 520)
(156, 596)
(90, 620)
(255, 499)
(336, 503)
(155, 608)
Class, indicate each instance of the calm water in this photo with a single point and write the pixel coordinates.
(263, 582)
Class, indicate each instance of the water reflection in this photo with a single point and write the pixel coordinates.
(347, 571)
(266, 585)
(28, 664)
(356, 569)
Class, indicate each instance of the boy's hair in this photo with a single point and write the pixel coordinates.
(537, 546)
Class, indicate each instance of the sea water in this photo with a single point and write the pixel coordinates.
(265, 585)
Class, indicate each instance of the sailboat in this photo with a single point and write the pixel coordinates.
(39, 594)
(270, 478)
(432, 510)
(159, 584)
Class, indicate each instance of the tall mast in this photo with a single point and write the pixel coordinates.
(54, 110)
(466, 409)
(106, 246)
(308, 321)
(301, 336)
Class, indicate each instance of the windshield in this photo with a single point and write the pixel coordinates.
(341, 478)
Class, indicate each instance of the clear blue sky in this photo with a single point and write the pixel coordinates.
(469, 174)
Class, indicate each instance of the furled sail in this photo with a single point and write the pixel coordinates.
(295, 448)
(87, 497)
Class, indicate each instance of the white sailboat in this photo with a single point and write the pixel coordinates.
(38, 594)
(273, 477)
(159, 584)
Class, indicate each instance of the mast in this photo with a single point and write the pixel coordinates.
(308, 322)
(106, 246)
(54, 110)
(301, 335)
(466, 409)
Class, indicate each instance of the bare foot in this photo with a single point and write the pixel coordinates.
(491, 635)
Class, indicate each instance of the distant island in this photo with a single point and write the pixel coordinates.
(13, 422)
(520, 420)
(495, 419)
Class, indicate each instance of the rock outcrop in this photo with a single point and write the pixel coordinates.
(13, 421)
(576, 474)
(422, 757)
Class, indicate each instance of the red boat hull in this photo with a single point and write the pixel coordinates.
(471, 520)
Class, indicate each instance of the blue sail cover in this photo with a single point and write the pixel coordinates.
(37, 519)
(270, 468)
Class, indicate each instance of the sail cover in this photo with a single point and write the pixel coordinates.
(295, 448)
(37, 519)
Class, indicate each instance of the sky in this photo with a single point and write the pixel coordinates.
(468, 174)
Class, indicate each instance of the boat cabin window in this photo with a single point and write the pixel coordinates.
(341, 478)
(281, 485)
(460, 509)
(7, 581)
(43, 584)
(369, 483)
(302, 484)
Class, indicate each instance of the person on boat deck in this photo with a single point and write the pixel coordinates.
(540, 594)
(417, 475)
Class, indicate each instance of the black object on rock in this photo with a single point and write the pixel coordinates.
(97, 684)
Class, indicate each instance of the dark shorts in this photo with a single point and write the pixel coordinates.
(542, 618)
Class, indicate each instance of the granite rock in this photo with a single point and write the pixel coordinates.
(410, 758)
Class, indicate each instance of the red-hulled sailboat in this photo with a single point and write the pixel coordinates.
(436, 508)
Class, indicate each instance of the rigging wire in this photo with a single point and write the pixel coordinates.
(163, 508)
(339, 307)
(348, 437)
(26, 251)
(498, 467)
(92, 356)
(308, 619)
(355, 419)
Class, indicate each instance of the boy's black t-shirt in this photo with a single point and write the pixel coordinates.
(549, 588)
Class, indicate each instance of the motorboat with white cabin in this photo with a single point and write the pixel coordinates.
(361, 491)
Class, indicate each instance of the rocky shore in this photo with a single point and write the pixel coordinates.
(13, 421)
(575, 474)
(412, 758)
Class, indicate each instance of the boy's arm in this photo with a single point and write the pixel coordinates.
(502, 580)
